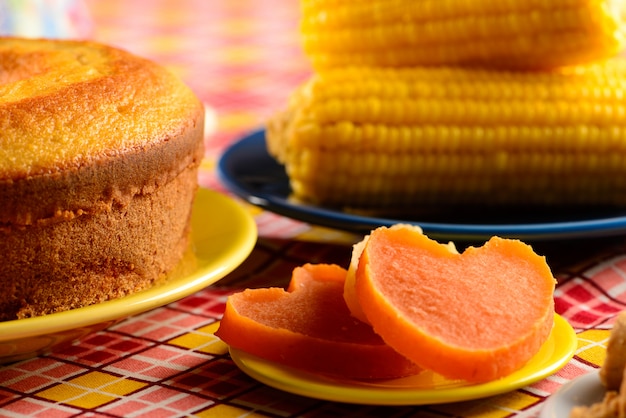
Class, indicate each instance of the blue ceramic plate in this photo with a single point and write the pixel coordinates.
(251, 173)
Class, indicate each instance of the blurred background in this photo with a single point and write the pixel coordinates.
(241, 57)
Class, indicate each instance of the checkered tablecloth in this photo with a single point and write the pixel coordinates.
(242, 58)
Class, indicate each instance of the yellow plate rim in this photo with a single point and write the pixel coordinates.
(223, 235)
(553, 355)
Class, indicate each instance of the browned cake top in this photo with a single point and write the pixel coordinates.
(84, 126)
(64, 104)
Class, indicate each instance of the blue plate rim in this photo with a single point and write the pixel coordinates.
(593, 227)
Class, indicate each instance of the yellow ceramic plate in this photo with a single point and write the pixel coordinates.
(223, 235)
(421, 389)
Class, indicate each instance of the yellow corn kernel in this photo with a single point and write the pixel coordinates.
(435, 135)
(520, 34)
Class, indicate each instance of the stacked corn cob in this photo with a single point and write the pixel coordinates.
(496, 33)
(444, 102)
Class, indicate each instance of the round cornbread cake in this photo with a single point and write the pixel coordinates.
(99, 153)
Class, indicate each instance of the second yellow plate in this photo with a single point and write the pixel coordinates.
(424, 388)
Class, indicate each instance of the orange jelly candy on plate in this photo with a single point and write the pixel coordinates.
(309, 327)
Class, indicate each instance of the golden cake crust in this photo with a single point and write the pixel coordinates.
(99, 152)
(84, 116)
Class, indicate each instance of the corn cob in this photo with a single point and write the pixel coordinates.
(514, 34)
(389, 138)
